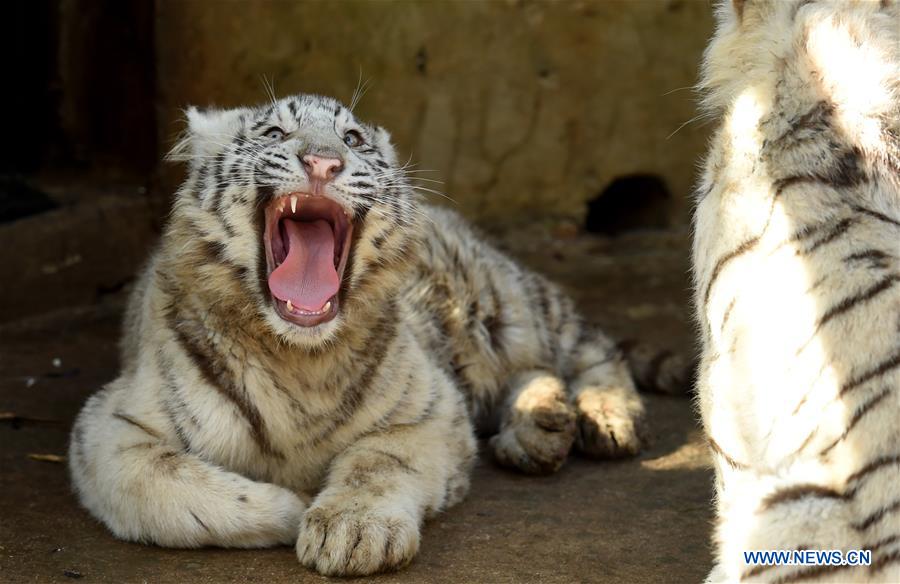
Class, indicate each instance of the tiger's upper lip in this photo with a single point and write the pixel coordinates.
(303, 206)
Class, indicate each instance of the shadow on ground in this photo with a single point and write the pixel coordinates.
(641, 520)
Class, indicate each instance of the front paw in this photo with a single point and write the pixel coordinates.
(338, 540)
(610, 425)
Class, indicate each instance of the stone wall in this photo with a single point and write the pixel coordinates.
(525, 110)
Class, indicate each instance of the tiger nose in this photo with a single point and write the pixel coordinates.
(321, 168)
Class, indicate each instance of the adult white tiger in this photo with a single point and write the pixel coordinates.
(308, 348)
(798, 284)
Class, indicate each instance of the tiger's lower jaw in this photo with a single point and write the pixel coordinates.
(306, 318)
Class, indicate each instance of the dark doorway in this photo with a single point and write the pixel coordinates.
(638, 201)
(81, 89)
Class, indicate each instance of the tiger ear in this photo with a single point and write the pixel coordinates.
(208, 132)
(731, 14)
(383, 142)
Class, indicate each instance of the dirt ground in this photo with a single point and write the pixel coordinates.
(641, 520)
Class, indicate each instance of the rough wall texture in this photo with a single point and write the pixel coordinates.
(524, 109)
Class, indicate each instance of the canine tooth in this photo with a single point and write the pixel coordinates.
(293, 203)
(327, 306)
(290, 306)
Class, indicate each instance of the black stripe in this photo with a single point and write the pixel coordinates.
(810, 573)
(263, 194)
(783, 184)
(292, 399)
(797, 492)
(809, 438)
(268, 165)
(839, 229)
(853, 301)
(494, 322)
(876, 215)
(762, 568)
(808, 231)
(129, 420)
(876, 257)
(743, 248)
(819, 281)
(380, 340)
(197, 519)
(171, 386)
(888, 364)
(259, 125)
(817, 118)
(702, 194)
(378, 240)
(217, 170)
(846, 172)
(229, 230)
(398, 461)
(213, 253)
(138, 446)
(882, 542)
(849, 171)
(714, 446)
(217, 376)
(857, 416)
(727, 314)
(884, 561)
(873, 466)
(876, 516)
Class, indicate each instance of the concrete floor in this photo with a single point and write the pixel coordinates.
(641, 520)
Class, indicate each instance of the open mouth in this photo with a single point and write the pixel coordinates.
(307, 239)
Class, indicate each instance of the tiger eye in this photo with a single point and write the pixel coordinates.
(274, 134)
(352, 138)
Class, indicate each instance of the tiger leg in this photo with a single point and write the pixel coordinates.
(610, 412)
(658, 370)
(537, 425)
(759, 512)
(381, 488)
(130, 471)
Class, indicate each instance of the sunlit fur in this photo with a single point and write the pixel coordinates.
(231, 427)
(797, 240)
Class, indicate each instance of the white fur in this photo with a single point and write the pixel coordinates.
(230, 426)
(797, 240)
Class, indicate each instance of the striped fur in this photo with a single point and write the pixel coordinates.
(231, 427)
(797, 276)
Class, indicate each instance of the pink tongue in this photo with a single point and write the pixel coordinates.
(307, 276)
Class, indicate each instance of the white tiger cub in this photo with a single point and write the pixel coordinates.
(797, 272)
(308, 348)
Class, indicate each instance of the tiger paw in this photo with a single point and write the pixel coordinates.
(337, 540)
(539, 429)
(610, 424)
